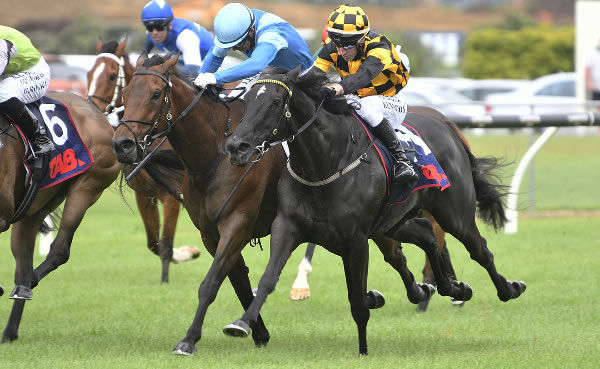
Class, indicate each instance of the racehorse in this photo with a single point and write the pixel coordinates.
(78, 193)
(228, 205)
(160, 180)
(346, 201)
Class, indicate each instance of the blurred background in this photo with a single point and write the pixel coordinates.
(463, 53)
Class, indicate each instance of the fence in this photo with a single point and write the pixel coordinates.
(551, 123)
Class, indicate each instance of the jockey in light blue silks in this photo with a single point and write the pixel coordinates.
(265, 38)
(170, 34)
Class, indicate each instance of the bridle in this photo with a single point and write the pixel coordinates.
(267, 144)
(121, 83)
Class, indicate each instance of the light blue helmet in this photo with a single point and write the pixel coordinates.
(232, 24)
(157, 10)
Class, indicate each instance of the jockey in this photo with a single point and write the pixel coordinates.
(24, 78)
(265, 38)
(373, 73)
(170, 34)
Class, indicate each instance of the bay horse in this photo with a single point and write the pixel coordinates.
(343, 213)
(78, 193)
(159, 101)
(160, 180)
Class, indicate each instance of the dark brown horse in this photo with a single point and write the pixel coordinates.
(158, 102)
(78, 194)
(346, 202)
(160, 180)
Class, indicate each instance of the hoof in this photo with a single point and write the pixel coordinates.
(299, 294)
(21, 292)
(519, 286)
(185, 253)
(422, 306)
(375, 299)
(239, 328)
(457, 303)
(467, 291)
(184, 349)
(254, 291)
(1, 291)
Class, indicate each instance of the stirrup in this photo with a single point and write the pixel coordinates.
(42, 145)
(404, 172)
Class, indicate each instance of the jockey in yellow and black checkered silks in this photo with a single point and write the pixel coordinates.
(372, 72)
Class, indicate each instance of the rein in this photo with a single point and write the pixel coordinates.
(264, 147)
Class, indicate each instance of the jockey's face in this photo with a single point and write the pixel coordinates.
(247, 43)
(347, 54)
(159, 34)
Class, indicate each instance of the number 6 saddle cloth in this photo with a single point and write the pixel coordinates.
(71, 156)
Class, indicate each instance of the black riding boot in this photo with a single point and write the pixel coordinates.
(22, 116)
(403, 170)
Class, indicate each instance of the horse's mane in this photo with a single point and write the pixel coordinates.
(312, 82)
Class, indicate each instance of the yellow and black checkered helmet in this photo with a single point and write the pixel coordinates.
(347, 24)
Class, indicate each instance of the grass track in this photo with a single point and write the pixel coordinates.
(106, 308)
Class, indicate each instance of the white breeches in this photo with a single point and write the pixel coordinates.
(28, 86)
(374, 108)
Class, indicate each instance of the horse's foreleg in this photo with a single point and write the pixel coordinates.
(419, 231)
(22, 244)
(428, 276)
(300, 289)
(283, 242)
(151, 219)
(356, 262)
(170, 215)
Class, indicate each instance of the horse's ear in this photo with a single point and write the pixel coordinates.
(99, 45)
(121, 48)
(170, 63)
(143, 56)
(293, 74)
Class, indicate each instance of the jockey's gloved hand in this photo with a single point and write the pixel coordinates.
(326, 92)
(205, 79)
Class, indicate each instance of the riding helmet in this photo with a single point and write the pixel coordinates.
(157, 11)
(232, 24)
(347, 25)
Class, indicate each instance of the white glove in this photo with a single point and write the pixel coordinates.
(205, 79)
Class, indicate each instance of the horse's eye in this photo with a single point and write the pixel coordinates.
(113, 76)
(156, 94)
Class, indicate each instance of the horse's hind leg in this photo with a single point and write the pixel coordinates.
(392, 254)
(300, 289)
(476, 245)
(170, 215)
(22, 243)
(419, 231)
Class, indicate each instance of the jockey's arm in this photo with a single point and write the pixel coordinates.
(259, 60)
(188, 44)
(7, 50)
(214, 59)
(367, 71)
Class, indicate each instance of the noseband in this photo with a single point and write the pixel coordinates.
(121, 83)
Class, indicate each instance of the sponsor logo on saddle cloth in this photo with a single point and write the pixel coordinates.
(426, 165)
(71, 156)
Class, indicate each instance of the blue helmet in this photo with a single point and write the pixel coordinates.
(157, 10)
(232, 24)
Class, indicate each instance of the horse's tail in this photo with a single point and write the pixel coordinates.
(489, 191)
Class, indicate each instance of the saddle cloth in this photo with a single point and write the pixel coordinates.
(71, 156)
(426, 165)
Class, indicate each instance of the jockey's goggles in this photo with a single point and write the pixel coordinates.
(156, 25)
(345, 43)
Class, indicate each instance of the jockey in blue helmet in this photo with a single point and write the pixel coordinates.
(171, 34)
(265, 38)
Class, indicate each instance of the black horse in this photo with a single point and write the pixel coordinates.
(343, 214)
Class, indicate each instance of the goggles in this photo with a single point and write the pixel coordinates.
(159, 26)
(345, 43)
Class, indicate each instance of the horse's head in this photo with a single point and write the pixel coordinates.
(147, 101)
(266, 117)
(109, 75)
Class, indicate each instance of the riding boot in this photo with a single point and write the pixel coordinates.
(403, 170)
(28, 122)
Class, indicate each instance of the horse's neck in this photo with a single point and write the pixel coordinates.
(12, 150)
(324, 147)
(199, 137)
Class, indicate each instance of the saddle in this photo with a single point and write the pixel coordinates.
(70, 158)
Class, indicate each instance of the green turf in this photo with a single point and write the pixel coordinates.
(105, 308)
